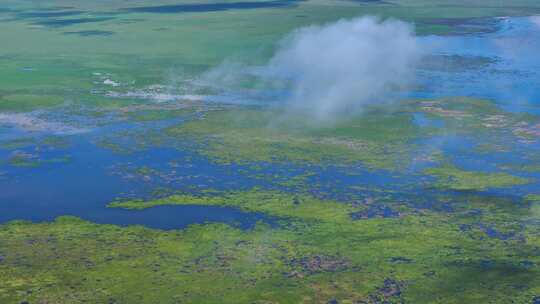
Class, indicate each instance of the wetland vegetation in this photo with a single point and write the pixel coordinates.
(149, 154)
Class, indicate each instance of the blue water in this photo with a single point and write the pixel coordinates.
(95, 176)
(84, 185)
(422, 121)
(511, 77)
(211, 7)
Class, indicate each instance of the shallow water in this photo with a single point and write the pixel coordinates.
(511, 73)
(95, 176)
(84, 185)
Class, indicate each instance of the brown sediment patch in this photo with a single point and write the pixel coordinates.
(388, 292)
(317, 264)
(390, 288)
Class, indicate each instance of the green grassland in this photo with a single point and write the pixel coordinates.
(456, 179)
(46, 65)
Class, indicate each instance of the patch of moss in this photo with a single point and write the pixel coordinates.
(533, 197)
(270, 202)
(453, 178)
(145, 171)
